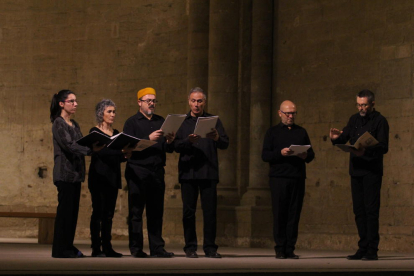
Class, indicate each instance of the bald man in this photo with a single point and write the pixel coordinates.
(286, 178)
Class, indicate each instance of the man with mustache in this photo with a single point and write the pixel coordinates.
(145, 177)
(287, 176)
(366, 170)
(199, 173)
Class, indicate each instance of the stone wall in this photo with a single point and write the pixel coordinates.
(249, 55)
(99, 49)
(327, 51)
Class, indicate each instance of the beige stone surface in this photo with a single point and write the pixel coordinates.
(318, 54)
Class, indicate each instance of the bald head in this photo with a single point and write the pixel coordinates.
(287, 112)
(287, 105)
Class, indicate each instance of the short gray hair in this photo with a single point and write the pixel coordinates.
(100, 109)
(199, 90)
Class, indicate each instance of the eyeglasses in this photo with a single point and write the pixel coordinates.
(150, 101)
(71, 101)
(361, 105)
(290, 113)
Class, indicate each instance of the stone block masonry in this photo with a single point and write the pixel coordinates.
(249, 56)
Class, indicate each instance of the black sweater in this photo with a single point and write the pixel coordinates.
(372, 160)
(153, 157)
(279, 137)
(69, 156)
(105, 167)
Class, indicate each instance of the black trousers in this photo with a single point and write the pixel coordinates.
(287, 201)
(66, 219)
(366, 193)
(208, 195)
(146, 189)
(103, 208)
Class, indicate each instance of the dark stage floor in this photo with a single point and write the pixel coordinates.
(25, 257)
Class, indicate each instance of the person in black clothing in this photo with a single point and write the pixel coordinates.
(198, 172)
(366, 170)
(286, 178)
(104, 181)
(68, 172)
(145, 177)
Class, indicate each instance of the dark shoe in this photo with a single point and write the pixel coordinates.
(77, 252)
(191, 254)
(291, 255)
(110, 253)
(370, 257)
(280, 255)
(213, 254)
(139, 254)
(97, 253)
(357, 256)
(163, 254)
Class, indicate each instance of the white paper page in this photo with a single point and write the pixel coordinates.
(298, 149)
(204, 125)
(172, 123)
(113, 137)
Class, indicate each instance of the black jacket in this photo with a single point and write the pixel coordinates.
(198, 160)
(372, 160)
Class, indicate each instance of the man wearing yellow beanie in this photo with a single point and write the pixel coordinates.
(145, 177)
(146, 91)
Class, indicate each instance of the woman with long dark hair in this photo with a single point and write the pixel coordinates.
(68, 172)
(104, 180)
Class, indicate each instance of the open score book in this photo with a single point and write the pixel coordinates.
(364, 141)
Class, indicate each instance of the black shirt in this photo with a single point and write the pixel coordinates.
(279, 137)
(198, 160)
(372, 160)
(69, 156)
(139, 126)
(105, 167)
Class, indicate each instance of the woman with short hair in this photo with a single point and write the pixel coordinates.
(104, 181)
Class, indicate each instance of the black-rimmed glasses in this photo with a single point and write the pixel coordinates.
(150, 101)
(293, 114)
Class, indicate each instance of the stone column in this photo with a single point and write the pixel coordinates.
(223, 88)
(254, 216)
(198, 32)
(197, 75)
(258, 193)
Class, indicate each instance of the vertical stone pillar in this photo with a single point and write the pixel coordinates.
(258, 193)
(245, 71)
(223, 88)
(197, 75)
(198, 33)
(254, 219)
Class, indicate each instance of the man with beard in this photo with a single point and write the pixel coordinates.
(199, 173)
(286, 178)
(366, 170)
(145, 177)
